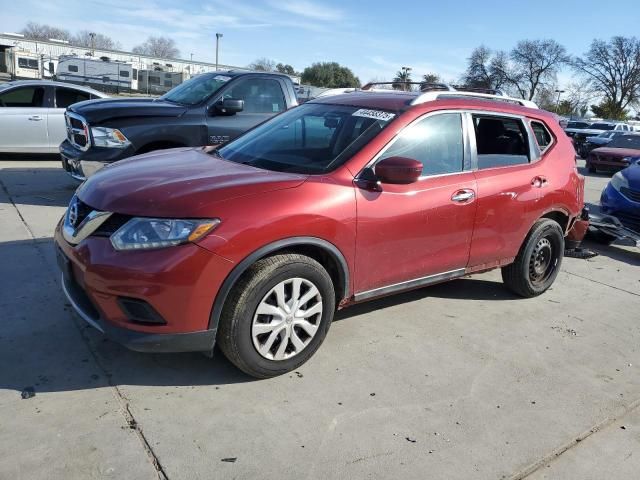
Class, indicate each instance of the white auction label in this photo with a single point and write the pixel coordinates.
(377, 114)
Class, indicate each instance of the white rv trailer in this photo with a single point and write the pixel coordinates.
(102, 73)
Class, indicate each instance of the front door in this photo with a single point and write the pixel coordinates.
(263, 98)
(23, 120)
(410, 235)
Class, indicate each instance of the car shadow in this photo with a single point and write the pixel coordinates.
(50, 187)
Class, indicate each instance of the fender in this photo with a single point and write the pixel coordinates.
(239, 269)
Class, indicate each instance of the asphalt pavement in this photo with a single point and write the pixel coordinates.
(459, 381)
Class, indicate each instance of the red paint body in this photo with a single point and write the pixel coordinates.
(402, 233)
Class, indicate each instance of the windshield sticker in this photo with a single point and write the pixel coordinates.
(376, 114)
(222, 78)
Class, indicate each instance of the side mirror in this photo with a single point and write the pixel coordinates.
(398, 170)
(228, 106)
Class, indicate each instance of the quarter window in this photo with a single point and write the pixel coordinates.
(23, 97)
(500, 141)
(543, 137)
(435, 141)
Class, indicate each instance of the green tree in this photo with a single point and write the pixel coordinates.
(431, 78)
(329, 75)
(401, 80)
(286, 69)
(610, 109)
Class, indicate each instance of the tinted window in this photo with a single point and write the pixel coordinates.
(260, 95)
(68, 96)
(577, 125)
(154, 80)
(312, 138)
(500, 141)
(124, 73)
(72, 68)
(436, 141)
(168, 83)
(602, 126)
(625, 141)
(195, 90)
(543, 137)
(23, 97)
(27, 63)
(135, 74)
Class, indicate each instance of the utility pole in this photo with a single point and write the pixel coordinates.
(218, 37)
(92, 36)
(558, 100)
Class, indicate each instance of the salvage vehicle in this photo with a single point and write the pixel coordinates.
(618, 154)
(32, 114)
(598, 141)
(621, 196)
(208, 109)
(253, 246)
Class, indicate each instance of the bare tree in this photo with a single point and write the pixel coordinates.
(163, 47)
(535, 64)
(88, 39)
(263, 65)
(613, 68)
(487, 70)
(40, 31)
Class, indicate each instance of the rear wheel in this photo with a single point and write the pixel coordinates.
(277, 315)
(538, 262)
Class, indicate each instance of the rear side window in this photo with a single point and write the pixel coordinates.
(69, 96)
(501, 141)
(435, 141)
(543, 137)
(23, 97)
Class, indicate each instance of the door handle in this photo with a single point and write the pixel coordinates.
(462, 196)
(539, 182)
(35, 118)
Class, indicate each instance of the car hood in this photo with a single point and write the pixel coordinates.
(617, 152)
(590, 132)
(632, 173)
(598, 140)
(101, 110)
(177, 183)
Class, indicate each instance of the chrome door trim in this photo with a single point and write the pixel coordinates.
(415, 283)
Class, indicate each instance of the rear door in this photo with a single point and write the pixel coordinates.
(62, 98)
(23, 119)
(412, 235)
(509, 186)
(263, 98)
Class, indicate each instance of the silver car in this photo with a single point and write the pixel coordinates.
(32, 114)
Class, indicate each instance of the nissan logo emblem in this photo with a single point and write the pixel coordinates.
(73, 213)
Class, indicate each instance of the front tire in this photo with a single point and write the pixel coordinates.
(277, 315)
(538, 262)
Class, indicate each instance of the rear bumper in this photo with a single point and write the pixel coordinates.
(203, 341)
(83, 164)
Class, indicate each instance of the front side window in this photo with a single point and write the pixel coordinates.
(435, 141)
(500, 141)
(310, 139)
(195, 90)
(22, 97)
(260, 95)
(68, 96)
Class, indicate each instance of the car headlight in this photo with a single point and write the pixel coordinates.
(618, 181)
(109, 137)
(146, 233)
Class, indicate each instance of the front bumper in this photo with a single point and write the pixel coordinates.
(83, 164)
(612, 202)
(178, 283)
(606, 163)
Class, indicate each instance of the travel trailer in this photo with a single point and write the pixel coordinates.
(100, 72)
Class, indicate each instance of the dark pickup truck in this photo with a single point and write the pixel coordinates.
(209, 109)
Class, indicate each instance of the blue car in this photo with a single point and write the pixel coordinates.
(621, 197)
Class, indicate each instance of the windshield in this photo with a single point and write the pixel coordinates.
(602, 126)
(577, 125)
(625, 141)
(196, 90)
(310, 139)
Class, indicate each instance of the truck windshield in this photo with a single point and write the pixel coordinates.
(309, 139)
(602, 126)
(196, 90)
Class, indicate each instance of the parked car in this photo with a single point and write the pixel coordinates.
(616, 155)
(208, 109)
(621, 196)
(575, 125)
(347, 198)
(32, 114)
(598, 141)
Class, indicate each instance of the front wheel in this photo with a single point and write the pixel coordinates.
(277, 315)
(538, 262)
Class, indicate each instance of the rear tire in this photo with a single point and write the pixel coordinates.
(263, 329)
(538, 262)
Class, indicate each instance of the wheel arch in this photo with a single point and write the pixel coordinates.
(324, 252)
(560, 216)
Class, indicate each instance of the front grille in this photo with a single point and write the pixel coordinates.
(77, 130)
(629, 220)
(631, 194)
(83, 211)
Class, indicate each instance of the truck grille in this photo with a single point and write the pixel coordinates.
(631, 194)
(77, 131)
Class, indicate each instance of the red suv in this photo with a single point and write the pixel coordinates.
(254, 245)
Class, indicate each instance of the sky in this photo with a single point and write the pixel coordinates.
(374, 37)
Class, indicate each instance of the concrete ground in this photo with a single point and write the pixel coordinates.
(456, 381)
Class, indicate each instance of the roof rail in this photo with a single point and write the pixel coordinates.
(431, 96)
(423, 86)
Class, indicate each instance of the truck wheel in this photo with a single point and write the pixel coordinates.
(538, 262)
(277, 315)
